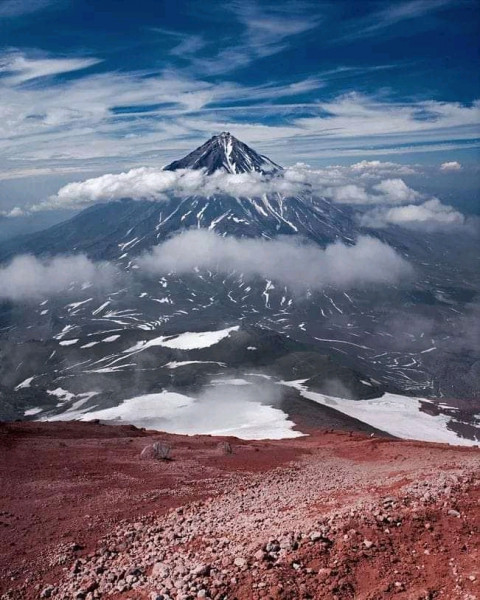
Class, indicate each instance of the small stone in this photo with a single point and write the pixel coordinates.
(47, 592)
(160, 570)
(239, 562)
(76, 547)
(367, 543)
(201, 570)
(453, 513)
(315, 536)
(259, 555)
(272, 546)
(323, 574)
(472, 577)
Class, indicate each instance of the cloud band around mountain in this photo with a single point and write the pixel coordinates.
(369, 261)
(363, 186)
(28, 278)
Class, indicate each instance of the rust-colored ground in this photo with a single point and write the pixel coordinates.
(67, 485)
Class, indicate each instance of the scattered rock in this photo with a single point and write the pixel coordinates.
(239, 562)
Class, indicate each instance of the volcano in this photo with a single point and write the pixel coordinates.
(128, 227)
(225, 153)
(102, 353)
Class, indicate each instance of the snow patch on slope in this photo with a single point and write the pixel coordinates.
(395, 414)
(186, 341)
(220, 410)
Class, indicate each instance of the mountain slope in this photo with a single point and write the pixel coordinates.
(393, 338)
(125, 228)
(224, 152)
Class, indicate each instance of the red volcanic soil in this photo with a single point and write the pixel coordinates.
(332, 515)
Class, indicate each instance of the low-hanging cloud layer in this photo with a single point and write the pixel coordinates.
(28, 278)
(432, 215)
(370, 186)
(369, 261)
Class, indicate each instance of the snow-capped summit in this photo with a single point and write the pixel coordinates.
(224, 152)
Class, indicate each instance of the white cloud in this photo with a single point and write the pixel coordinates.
(451, 166)
(158, 185)
(27, 277)
(17, 211)
(267, 30)
(369, 261)
(432, 215)
(396, 191)
(376, 167)
(354, 115)
(20, 68)
(54, 122)
(378, 21)
(34, 172)
(348, 194)
(18, 8)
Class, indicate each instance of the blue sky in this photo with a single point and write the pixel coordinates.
(90, 86)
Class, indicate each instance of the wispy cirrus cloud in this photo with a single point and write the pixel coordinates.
(17, 68)
(20, 8)
(359, 115)
(266, 30)
(139, 116)
(384, 19)
(184, 44)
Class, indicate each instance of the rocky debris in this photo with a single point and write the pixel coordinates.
(330, 516)
(265, 538)
(156, 451)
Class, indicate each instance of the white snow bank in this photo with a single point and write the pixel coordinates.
(235, 381)
(73, 412)
(142, 410)
(398, 415)
(25, 384)
(186, 341)
(221, 410)
(61, 394)
(111, 338)
(174, 364)
(68, 342)
(32, 411)
(203, 339)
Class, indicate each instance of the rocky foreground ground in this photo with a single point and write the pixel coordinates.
(333, 515)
